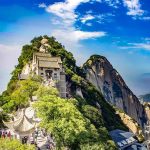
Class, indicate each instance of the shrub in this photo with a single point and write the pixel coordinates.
(9, 144)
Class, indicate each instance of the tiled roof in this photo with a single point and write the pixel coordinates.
(49, 64)
(122, 138)
(54, 59)
(22, 125)
(42, 54)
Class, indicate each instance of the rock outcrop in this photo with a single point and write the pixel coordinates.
(147, 109)
(132, 125)
(101, 73)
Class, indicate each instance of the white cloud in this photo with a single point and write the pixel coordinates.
(81, 35)
(66, 17)
(42, 5)
(143, 46)
(134, 7)
(89, 24)
(145, 18)
(101, 18)
(135, 10)
(86, 18)
(107, 17)
(66, 10)
(113, 3)
(71, 37)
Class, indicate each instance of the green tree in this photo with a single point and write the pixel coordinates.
(22, 94)
(93, 114)
(62, 118)
(46, 90)
(7, 144)
(108, 145)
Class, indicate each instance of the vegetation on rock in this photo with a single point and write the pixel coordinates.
(62, 118)
(21, 95)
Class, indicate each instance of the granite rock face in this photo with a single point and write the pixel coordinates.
(132, 125)
(101, 73)
(147, 110)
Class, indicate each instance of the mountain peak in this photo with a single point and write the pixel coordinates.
(106, 79)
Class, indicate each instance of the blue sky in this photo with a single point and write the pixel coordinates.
(117, 29)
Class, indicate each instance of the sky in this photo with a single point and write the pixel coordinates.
(116, 29)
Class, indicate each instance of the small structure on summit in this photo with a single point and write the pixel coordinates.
(50, 68)
(44, 45)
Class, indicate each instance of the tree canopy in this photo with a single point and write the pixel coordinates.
(10, 144)
(21, 95)
(62, 118)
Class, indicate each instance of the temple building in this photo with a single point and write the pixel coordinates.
(48, 67)
(23, 124)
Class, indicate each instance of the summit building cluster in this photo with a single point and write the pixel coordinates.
(50, 68)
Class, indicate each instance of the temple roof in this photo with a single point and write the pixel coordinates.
(42, 54)
(22, 124)
(49, 64)
(55, 59)
(122, 138)
(47, 61)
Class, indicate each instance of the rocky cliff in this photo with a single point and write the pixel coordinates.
(147, 109)
(101, 73)
(132, 125)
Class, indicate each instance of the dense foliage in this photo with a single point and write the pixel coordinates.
(19, 98)
(10, 144)
(93, 97)
(68, 125)
(21, 95)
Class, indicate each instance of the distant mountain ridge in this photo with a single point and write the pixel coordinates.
(144, 98)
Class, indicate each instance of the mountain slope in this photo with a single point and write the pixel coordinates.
(107, 80)
(75, 77)
(83, 86)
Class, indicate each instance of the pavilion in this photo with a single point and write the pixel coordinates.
(23, 123)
